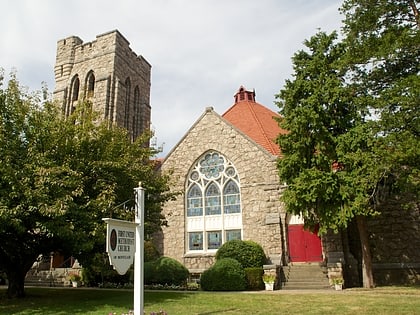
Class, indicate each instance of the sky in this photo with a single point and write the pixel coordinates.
(201, 51)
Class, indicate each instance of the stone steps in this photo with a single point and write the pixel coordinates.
(305, 277)
(47, 278)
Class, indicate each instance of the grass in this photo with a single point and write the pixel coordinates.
(57, 301)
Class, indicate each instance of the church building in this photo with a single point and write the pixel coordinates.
(226, 168)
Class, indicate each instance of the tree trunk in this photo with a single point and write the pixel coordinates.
(16, 279)
(366, 255)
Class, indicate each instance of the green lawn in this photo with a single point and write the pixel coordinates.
(46, 301)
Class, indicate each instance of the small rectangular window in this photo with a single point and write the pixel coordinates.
(233, 235)
(214, 239)
(195, 240)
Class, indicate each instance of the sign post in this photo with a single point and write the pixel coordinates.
(125, 241)
(138, 259)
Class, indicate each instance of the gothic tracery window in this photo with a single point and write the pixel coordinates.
(213, 203)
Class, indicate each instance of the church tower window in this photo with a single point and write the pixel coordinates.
(213, 203)
(127, 103)
(74, 92)
(137, 127)
(90, 84)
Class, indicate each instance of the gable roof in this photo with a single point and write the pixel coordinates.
(255, 120)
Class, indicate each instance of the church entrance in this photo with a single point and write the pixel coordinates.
(304, 246)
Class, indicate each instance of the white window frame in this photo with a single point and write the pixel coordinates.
(215, 172)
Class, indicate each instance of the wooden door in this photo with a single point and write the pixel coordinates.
(304, 246)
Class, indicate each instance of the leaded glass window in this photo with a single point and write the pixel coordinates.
(231, 198)
(195, 240)
(194, 201)
(214, 239)
(233, 235)
(213, 203)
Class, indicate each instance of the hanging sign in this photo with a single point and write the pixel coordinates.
(120, 243)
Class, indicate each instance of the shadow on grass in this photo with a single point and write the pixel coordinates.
(78, 301)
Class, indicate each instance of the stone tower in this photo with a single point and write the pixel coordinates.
(109, 74)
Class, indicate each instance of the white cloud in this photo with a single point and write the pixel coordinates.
(200, 51)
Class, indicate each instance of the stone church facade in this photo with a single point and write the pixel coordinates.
(234, 149)
(108, 73)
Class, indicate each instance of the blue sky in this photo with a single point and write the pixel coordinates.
(201, 51)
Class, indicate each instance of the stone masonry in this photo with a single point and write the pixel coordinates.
(263, 216)
(109, 74)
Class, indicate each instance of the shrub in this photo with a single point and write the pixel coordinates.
(164, 271)
(248, 253)
(149, 269)
(151, 253)
(254, 278)
(226, 274)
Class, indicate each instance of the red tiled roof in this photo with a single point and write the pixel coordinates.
(255, 120)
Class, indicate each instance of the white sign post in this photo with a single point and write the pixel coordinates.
(125, 241)
(138, 260)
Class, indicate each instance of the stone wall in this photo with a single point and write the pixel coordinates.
(262, 213)
(394, 237)
(395, 244)
(112, 62)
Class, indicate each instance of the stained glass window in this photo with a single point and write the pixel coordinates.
(212, 165)
(214, 239)
(233, 235)
(195, 240)
(212, 198)
(195, 201)
(213, 204)
(232, 202)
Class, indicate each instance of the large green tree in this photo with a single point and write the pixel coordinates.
(352, 115)
(58, 179)
(383, 37)
(327, 158)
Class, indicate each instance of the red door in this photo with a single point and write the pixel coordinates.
(304, 246)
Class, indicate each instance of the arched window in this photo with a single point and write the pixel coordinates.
(74, 94)
(75, 88)
(90, 84)
(194, 201)
(231, 198)
(136, 118)
(127, 103)
(213, 203)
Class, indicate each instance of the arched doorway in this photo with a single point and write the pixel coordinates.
(304, 246)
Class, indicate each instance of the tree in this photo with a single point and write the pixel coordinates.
(384, 37)
(58, 179)
(328, 161)
(352, 116)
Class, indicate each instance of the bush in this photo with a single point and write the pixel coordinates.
(97, 272)
(254, 278)
(248, 253)
(149, 271)
(226, 274)
(165, 271)
(151, 253)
